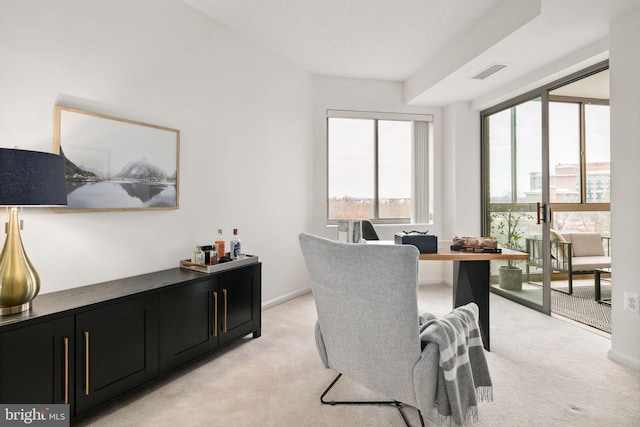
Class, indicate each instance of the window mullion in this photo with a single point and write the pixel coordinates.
(514, 158)
(420, 165)
(376, 198)
(583, 155)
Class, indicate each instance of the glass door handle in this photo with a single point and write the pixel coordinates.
(541, 213)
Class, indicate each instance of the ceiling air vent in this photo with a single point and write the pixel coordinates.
(489, 71)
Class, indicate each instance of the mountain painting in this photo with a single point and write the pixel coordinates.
(116, 164)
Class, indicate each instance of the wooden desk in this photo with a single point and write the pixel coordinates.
(471, 272)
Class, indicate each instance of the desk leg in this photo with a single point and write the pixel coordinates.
(471, 284)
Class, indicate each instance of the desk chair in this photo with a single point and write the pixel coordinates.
(368, 328)
(368, 325)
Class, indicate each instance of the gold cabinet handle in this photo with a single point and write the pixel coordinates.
(86, 363)
(224, 324)
(65, 400)
(215, 314)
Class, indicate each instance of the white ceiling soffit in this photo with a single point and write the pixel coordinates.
(434, 46)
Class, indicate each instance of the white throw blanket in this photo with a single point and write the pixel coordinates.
(463, 377)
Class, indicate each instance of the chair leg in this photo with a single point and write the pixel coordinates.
(570, 283)
(395, 403)
(570, 280)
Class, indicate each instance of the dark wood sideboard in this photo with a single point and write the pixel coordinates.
(89, 345)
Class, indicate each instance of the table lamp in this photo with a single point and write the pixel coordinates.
(27, 178)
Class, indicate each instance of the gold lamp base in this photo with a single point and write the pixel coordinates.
(19, 281)
(4, 311)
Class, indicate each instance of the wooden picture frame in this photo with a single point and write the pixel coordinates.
(114, 164)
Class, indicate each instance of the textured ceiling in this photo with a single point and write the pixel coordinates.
(380, 39)
(433, 46)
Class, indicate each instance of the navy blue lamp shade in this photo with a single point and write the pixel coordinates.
(29, 178)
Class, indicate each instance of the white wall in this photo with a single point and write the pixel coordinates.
(244, 117)
(378, 96)
(625, 198)
(461, 189)
(462, 192)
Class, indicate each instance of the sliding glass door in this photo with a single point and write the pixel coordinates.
(515, 182)
(546, 173)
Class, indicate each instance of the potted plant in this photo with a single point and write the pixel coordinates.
(507, 225)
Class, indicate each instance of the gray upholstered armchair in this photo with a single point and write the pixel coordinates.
(366, 297)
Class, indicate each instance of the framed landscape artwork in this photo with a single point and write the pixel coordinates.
(116, 164)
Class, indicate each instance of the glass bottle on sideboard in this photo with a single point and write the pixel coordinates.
(235, 247)
(197, 256)
(219, 242)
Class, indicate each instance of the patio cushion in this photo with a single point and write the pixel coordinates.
(556, 237)
(561, 252)
(587, 244)
(590, 263)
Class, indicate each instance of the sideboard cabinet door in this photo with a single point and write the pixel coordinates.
(36, 363)
(116, 350)
(239, 302)
(185, 326)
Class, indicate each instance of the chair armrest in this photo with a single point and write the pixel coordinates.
(425, 377)
(606, 244)
(322, 350)
(533, 246)
(561, 253)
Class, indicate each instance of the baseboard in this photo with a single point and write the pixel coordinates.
(624, 359)
(284, 298)
(436, 282)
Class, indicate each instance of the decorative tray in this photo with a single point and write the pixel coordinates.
(222, 266)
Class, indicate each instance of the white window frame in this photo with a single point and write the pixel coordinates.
(422, 162)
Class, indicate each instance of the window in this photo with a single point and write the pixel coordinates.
(514, 154)
(378, 166)
(579, 160)
(597, 153)
(564, 152)
(579, 164)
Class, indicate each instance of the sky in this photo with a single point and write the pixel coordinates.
(351, 159)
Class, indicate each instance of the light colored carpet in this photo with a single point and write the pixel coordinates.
(546, 372)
